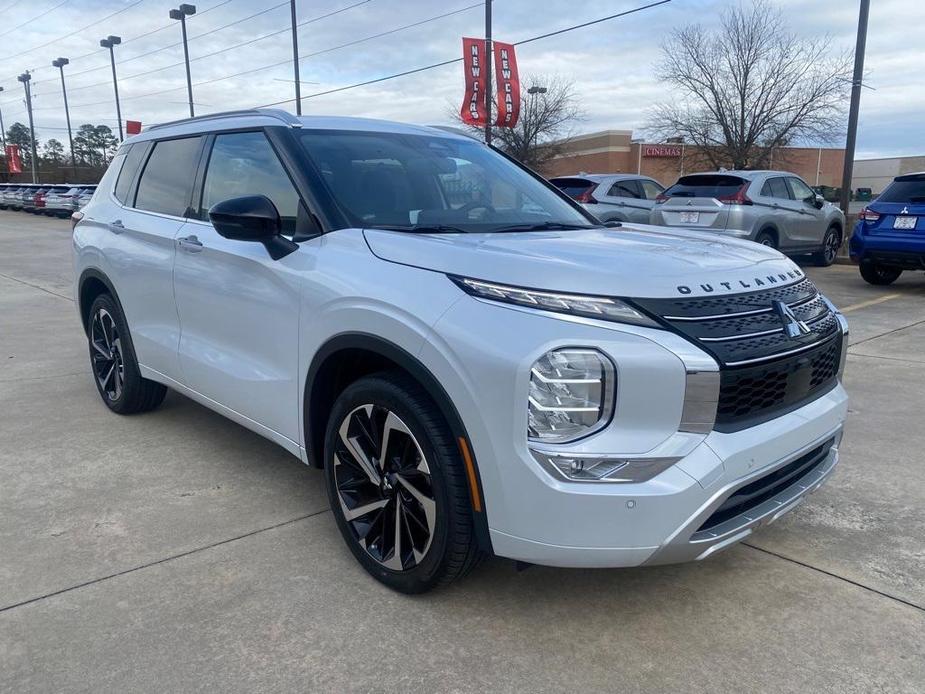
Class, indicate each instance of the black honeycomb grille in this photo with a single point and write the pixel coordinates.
(764, 371)
(758, 392)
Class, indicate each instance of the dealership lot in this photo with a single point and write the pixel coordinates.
(178, 551)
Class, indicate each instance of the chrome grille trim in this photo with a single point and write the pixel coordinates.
(776, 331)
(740, 314)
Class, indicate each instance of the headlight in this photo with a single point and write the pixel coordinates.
(600, 307)
(571, 395)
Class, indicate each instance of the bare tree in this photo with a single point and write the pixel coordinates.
(547, 116)
(750, 87)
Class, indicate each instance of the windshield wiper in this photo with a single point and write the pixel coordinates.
(543, 226)
(422, 229)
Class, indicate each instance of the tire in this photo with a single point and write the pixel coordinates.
(423, 497)
(831, 242)
(113, 364)
(879, 274)
(766, 238)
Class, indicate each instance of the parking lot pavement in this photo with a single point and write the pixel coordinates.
(178, 551)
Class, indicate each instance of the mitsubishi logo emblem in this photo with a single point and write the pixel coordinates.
(793, 326)
(904, 210)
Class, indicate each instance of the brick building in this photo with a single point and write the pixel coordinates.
(615, 151)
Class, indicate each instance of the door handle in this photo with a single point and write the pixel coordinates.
(775, 206)
(116, 226)
(190, 244)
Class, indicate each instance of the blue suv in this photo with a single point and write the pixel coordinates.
(890, 234)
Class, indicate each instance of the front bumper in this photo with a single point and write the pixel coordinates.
(660, 521)
(535, 517)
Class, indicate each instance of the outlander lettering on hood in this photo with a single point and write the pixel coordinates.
(738, 285)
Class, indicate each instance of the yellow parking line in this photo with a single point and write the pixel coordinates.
(871, 302)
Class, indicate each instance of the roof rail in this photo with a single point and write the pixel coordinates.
(277, 113)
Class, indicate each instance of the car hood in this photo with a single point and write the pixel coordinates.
(630, 261)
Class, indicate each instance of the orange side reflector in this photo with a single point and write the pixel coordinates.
(470, 473)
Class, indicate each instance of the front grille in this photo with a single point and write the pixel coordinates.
(748, 395)
(756, 493)
(764, 372)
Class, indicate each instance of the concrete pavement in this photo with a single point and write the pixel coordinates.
(176, 551)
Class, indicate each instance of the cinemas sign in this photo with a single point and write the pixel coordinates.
(661, 150)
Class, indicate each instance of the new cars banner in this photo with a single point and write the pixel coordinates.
(473, 110)
(508, 85)
(14, 159)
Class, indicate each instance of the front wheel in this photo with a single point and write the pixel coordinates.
(878, 274)
(397, 485)
(831, 242)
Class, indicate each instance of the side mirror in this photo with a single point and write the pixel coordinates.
(252, 218)
(819, 202)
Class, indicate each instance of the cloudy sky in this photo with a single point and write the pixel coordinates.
(611, 64)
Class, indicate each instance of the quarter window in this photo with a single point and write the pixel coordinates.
(132, 161)
(245, 164)
(167, 180)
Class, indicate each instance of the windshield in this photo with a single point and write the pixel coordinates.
(705, 186)
(432, 183)
(904, 189)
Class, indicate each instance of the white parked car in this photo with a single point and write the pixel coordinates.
(477, 365)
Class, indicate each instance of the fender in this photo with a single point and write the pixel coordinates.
(93, 273)
(408, 362)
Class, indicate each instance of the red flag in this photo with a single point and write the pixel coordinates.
(132, 127)
(508, 85)
(14, 159)
(473, 109)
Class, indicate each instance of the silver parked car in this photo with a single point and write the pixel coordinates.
(774, 208)
(612, 197)
(60, 201)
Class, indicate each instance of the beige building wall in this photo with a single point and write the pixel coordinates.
(876, 174)
(613, 151)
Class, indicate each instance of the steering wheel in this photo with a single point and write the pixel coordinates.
(475, 205)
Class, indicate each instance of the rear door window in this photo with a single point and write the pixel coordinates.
(167, 180)
(776, 188)
(650, 189)
(905, 189)
(626, 189)
(705, 186)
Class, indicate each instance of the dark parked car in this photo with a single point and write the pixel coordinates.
(889, 236)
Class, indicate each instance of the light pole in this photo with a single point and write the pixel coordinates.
(182, 13)
(109, 42)
(26, 79)
(60, 63)
(855, 106)
(295, 59)
(2, 130)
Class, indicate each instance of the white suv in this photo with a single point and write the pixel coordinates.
(476, 364)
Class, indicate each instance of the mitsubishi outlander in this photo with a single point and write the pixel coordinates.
(476, 364)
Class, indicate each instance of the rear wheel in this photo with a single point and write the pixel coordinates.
(766, 238)
(397, 485)
(831, 242)
(112, 359)
(879, 274)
